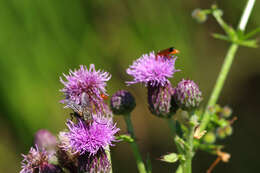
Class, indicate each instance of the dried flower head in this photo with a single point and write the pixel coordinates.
(187, 94)
(85, 87)
(37, 161)
(90, 137)
(151, 70)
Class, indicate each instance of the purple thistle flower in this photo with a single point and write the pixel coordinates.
(151, 71)
(37, 161)
(84, 87)
(90, 137)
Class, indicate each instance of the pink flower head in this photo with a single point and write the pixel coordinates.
(85, 86)
(90, 138)
(151, 70)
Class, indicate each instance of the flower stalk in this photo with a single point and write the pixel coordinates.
(187, 166)
(226, 66)
(138, 157)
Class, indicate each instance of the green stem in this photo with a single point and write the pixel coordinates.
(219, 84)
(226, 66)
(138, 157)
(189, 152)
(179, 169)
(172, 125)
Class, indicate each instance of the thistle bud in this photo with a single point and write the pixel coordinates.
(187, 95)
(199, 15)
(209, 138)
(122, 102)
(161, 101)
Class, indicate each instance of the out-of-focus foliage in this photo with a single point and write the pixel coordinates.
(41, 39)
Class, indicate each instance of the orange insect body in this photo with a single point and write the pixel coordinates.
(105, 97)
(167, 52)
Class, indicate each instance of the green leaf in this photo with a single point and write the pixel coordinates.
(210, 148)
(248, 43)
(180, 142)
(252, 33)
(125, 138)
(239, 39)
(170, 158)
(221, 37)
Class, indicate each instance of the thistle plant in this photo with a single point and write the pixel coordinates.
(84, 146)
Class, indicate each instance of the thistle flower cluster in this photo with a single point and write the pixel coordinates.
(83, 146)
(154, 71)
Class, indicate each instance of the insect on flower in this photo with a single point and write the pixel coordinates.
(105, 97)
(167, 52)
(80, 111)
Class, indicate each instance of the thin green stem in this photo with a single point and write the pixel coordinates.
(138, 157)
(189, 152)
(229, 30)
(226, 66)
(172, 125)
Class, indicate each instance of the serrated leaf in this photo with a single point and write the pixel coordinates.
(125, 138)
(170, 158)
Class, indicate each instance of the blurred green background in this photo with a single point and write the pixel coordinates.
(41, 39)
